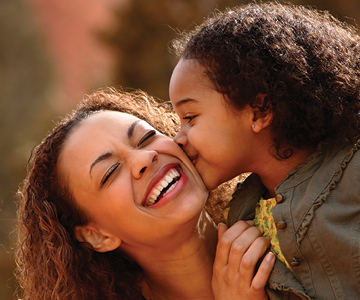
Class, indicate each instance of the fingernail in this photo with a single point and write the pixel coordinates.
(250, 222)
(270, 256)
(222, 225)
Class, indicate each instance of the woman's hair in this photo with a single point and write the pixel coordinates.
(51, 263)
(306, 62)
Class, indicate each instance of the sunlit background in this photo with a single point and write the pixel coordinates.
(52, 52)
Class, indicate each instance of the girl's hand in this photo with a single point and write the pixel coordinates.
(238, 251)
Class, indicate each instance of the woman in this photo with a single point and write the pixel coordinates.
(113, 209)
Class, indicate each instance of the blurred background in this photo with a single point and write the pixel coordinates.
(52, 52)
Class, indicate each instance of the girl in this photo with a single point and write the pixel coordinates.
(274, 90)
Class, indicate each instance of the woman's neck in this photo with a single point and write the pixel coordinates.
(186, 272)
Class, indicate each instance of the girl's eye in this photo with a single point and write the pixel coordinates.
(108, 173)
(189, 118)
(146, 138)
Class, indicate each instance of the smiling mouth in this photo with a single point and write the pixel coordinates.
(164, 186)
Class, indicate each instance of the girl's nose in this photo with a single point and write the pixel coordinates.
(181, 139)
(142, 161)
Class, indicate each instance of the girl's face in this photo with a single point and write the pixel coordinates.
(216, 138)
(132, 181)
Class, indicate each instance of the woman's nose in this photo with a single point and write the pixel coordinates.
(142, 161)
(181, 139)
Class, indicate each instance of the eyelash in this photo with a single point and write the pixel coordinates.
(112, 169)
(108, 173)
(189, 118)
(147, 136)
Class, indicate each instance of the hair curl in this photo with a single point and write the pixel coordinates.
(305, 61)
(51, 263)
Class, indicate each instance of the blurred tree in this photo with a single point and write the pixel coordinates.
(346, 10)
(140, 39)
(24, 82)
(145, 28)
(142, 35)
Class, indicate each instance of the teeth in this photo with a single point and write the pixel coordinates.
(171, 188)
(156, 191)
(164, 183)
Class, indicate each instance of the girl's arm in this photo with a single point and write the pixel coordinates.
(238, 251)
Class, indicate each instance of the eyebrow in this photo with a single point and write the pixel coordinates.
(106, 155)
(99, 159)
(185, 101)
(131, 129)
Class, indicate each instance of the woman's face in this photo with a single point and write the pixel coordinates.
(131, 180)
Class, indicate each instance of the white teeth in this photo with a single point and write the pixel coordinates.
(172, 187)
(151, 201)
(156, 191)
(164, 183)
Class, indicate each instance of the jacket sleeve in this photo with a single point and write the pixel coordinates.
(243, 202)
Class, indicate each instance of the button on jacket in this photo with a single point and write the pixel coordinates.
(317, 217)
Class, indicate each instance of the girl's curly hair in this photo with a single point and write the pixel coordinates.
(51, 263)
(305, 61)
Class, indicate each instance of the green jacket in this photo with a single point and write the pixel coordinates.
(318, 224)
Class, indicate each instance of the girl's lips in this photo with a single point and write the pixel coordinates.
(193, 159)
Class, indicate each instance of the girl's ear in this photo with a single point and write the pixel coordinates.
(100, 241)
(262, 119)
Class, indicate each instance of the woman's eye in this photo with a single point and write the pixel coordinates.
(146, 138)
(108, 173)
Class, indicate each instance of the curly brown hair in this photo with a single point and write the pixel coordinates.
(305, 61)
(51, 263)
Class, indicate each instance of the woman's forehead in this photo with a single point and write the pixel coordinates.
(109, 115)
(99, 133)
(107, 123)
